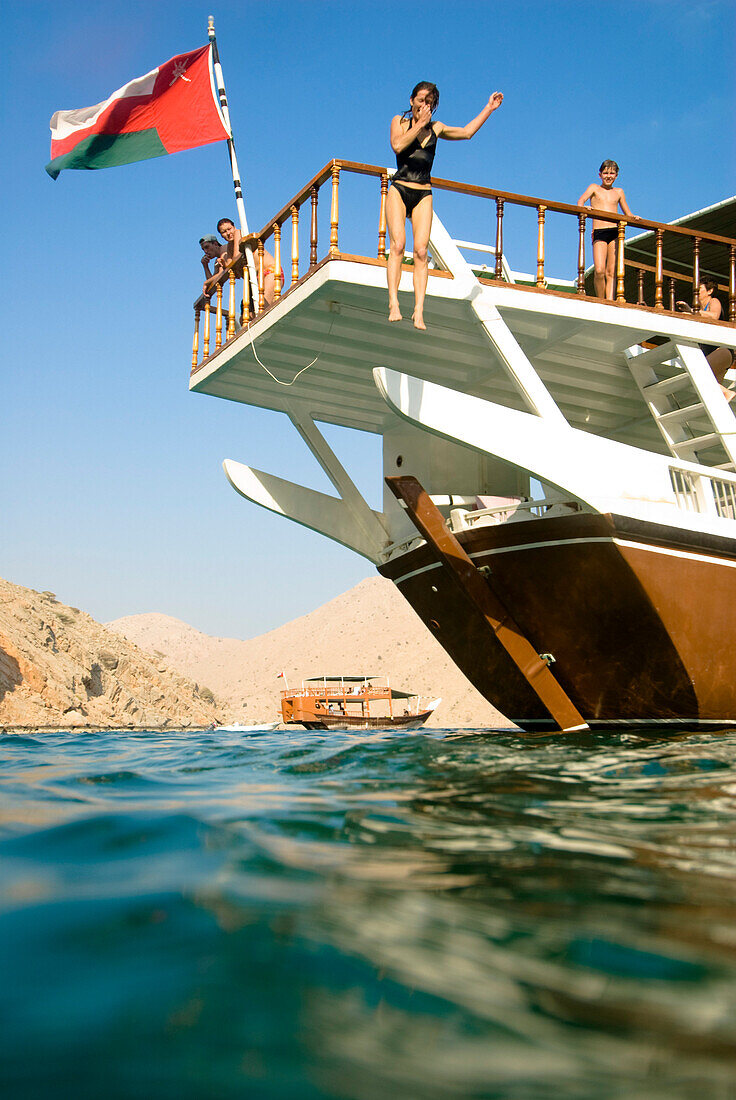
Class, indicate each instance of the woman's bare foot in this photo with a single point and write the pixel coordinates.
(728, 394)
(418, 320)
(394, 313)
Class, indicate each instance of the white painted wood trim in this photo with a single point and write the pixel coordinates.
(327, 515)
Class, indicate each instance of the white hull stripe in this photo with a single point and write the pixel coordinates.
(677, 553)
(647, 548)
(667, 552)
(416, 572)
(540, 545)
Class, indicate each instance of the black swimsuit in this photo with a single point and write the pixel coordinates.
(414, 165)
(606, 235)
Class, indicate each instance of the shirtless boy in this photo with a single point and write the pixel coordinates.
(604, 196)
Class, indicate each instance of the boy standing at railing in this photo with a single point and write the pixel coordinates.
(604, 196)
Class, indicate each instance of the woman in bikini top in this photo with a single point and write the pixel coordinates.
(719, 358)
(414, 141)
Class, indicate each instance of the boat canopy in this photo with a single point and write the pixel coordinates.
(395, 692)
(338, 679)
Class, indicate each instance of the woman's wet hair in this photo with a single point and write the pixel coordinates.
(222, 221)
(434, 101)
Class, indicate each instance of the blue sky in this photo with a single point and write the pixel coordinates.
(112, 492)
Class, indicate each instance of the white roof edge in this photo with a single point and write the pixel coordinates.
(685, 217)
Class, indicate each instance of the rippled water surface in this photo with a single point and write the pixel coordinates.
(441, 914)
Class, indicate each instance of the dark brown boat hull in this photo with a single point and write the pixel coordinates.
(343, 722)
(639, 618)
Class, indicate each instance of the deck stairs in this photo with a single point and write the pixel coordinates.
(686, 403)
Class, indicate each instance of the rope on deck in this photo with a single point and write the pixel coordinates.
(302, 369)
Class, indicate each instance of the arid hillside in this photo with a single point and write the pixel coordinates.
(58, 667)
(368, 630)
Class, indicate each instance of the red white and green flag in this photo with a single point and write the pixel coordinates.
(173, 107)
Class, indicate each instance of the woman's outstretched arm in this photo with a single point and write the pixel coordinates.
(464, 133)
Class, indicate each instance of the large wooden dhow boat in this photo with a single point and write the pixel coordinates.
(560, 494)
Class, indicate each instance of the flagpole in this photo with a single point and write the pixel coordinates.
(240, 204)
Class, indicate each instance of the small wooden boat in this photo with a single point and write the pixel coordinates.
(353, 702)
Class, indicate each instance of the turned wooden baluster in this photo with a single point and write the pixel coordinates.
(261, 294)
(581, 253)
(382, 218)
(640, 287)
(620, 262)
(195, 342)
(206, 333)
(659, 238)
(671, 284)
(218, 318)
(276, 261)
(499, 238)
(696, 272)
(231, 306)
(313, 229)
(334, 210)
(540, 244)
(732, 286)
(294, 244)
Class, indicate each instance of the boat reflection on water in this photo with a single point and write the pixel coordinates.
(445, 913)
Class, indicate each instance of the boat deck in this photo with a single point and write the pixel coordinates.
(336, 316)
(319, 341)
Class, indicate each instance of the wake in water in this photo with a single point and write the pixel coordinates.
(436, 914)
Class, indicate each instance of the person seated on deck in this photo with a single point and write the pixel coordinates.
(213, 251)
(719, 358)
(414, 140)
(232, 258)
(604, 196)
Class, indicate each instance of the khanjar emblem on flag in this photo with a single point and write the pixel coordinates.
(174, 107)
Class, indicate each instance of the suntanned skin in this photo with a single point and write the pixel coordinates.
(212, 251)
(231, 257)
(719, 360)
(604, 196)
(403, 133)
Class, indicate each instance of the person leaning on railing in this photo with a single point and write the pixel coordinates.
(414, 140)
(212, 251)
(232, 258)
(719, 358)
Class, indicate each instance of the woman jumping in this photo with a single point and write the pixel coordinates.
(414, 140)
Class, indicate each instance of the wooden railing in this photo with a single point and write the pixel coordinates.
(370, 691)
(225, 320)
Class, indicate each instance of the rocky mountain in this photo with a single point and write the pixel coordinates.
(58, 667)
(369, 630)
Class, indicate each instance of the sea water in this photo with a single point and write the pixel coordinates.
(365, 915)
